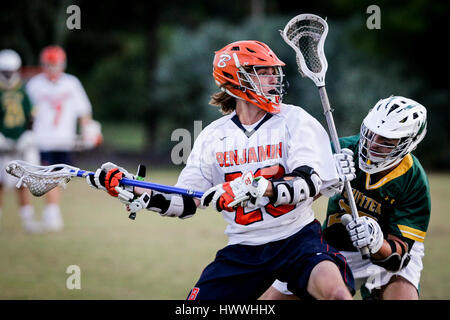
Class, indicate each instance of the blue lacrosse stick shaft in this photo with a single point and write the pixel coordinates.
(149, 185)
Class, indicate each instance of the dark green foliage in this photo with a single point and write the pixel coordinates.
(152, 63)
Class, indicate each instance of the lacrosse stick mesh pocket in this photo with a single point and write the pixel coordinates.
(305, 35)
(38, 184)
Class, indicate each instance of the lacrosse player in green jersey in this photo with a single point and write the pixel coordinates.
(16, 138)
(392, 195)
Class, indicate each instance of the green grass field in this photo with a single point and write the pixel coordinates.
(151, 257)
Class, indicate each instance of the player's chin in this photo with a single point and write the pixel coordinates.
(270, 91)
(377, 156)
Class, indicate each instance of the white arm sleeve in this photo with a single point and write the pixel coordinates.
(83, 104)
(309, 144)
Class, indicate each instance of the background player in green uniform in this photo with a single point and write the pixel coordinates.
(16, 137)
(392, 195)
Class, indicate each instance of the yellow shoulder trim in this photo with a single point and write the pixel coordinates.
(400, 170)
(412, 233)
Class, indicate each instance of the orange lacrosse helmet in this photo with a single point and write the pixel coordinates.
(53, 60)
(235, 71)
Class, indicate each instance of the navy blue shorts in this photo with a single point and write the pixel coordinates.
(56, 157)
(243, 272)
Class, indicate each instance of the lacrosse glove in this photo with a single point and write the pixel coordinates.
(364, 231)
(345, 167)
(107, 178)
(228, 195)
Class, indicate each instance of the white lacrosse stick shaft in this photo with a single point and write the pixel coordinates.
(315, 30)
(337, 148)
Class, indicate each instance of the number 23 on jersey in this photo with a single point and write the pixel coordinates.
(246, 218)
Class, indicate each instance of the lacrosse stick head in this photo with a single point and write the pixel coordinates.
(40, 179)
(306, 34)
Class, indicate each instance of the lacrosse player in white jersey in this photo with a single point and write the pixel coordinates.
(16, 138)
(60, 102)
(260, 165)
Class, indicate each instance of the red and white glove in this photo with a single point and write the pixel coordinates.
(107, 178)
(234, 193)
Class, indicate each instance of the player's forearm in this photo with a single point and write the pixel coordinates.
(269, 191)
(386, 248)
(393, 254)
(138, 191)
(84, 120)
(384, 251)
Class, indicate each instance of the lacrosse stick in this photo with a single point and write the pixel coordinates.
(41, 179)
(306, 34)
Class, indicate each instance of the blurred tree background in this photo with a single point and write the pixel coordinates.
(146, 66)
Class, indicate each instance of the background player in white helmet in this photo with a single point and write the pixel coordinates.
(16, 138)
(393, 199)
(260, 165)
(60, 102)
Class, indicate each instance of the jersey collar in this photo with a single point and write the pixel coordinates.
(238, 123)
(400, 170)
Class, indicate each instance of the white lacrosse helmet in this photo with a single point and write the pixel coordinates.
(398, 118)
(10, 64)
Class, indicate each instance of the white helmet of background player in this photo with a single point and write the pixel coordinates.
(399, 119)
(10, 64)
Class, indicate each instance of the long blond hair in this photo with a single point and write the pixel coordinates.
(225, 102)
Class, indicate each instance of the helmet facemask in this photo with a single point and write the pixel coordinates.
(376, 155)
(267, 86)
(392, 129)
(53, 71)
(9, 79)
(235, 70)
(53, 61)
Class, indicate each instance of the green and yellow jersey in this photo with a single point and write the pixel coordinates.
(400, 202)
(15, 112)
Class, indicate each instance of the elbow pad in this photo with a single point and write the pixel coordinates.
(396, 261)
(172, 205)
(305, 183)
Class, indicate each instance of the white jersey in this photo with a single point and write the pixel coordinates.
(275, 146)
(58, 106)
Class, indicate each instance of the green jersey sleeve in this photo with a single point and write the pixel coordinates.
(411, 216)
